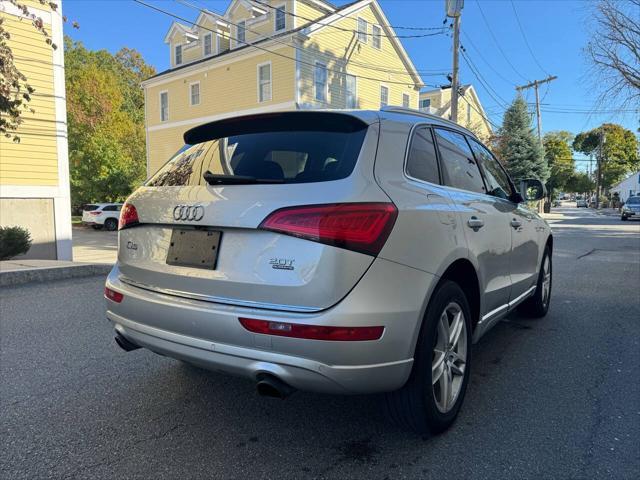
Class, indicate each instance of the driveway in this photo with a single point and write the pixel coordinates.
(554, 398)
(94, 246)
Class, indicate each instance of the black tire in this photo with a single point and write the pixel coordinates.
(110, 224)
(414, 407)
(623, 218)
(537, 306)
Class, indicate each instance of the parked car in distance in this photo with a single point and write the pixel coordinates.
(100, 215)
(581, 202)
(300, 250)
(631, 208)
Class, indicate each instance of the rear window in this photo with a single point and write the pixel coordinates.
(294, 147)
(90, 208)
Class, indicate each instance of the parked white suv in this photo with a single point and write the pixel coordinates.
(342, 252)
(100, 215)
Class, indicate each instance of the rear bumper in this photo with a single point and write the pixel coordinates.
(211, 336)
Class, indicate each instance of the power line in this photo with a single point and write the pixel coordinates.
(254, 45)
(310, 20)
(377, 68)
(494, 125)
(479, 52)
(527, 41)
(492, 93)
(495, 40)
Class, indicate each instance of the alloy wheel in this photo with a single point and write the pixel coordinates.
(449, 357)
(546, 280)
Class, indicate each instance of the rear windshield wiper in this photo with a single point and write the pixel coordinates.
(218, 179)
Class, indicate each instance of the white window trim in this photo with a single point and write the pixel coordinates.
(405, 94)
(355, 93)
(326, 82)
(160, 105)
(175, 56)
(270, 80)
(199, 93)
(380, 95)
(379, 37)
(217, 42)
(204, 42)
(275, 15)
(236, 41)
(366, 33)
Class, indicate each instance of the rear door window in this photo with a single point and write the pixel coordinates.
(90, 208)
(422, 162)
(496, 178)
(285, 148)
(459, 167)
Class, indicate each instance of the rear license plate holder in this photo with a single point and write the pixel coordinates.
(194, 248)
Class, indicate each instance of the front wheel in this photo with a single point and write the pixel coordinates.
(110, 224)
(538, 305)
(431, 399)
(623, 218)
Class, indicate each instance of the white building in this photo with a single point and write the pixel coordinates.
(628, 187)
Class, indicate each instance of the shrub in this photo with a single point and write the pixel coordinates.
(14, 241)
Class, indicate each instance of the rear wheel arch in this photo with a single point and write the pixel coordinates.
(464, 274)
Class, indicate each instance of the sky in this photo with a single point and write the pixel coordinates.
(555, 30)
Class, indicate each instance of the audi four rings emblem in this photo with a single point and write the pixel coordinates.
(188, 213)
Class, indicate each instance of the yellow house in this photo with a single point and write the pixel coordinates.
(470, 112)
(272, 55)
(34, 173)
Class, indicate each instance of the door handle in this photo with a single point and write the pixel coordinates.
(515, 223)
(475, 223)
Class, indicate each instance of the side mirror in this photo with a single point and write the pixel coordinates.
(532, 189)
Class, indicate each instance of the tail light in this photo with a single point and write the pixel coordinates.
(95, 213)
(312, 332)
(362, 227)
(113, 295)
(128, 216)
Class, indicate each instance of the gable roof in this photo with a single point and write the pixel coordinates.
(308, 28)
(178, 27)
(384, 23)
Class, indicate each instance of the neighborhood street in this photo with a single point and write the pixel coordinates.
(552, 398)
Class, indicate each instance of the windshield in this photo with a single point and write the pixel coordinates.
(278, 150)
(633, 201)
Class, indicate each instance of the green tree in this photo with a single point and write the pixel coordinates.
(580, 182)
(558, 154)
(519, 148)
(105, 109)
(618, 155)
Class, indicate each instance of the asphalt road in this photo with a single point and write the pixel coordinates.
(553, 398)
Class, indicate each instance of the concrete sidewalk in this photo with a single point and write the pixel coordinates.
(15, 272)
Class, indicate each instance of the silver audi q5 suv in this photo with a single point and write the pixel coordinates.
(331, 251)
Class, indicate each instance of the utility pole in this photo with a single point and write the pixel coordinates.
(535, 84)
(454, 10)
(601, 140)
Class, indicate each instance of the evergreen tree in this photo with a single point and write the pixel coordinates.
(520, 149)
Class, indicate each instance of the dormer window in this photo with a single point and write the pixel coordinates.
(241, 35)
(280, 18)
(178, 55)
(207, 44)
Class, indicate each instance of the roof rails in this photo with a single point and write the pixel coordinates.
(419, 113)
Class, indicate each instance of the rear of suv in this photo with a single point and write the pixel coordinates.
(340, 252)
(99, 215)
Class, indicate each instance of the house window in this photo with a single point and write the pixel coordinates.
(264, 82)
(320, 82)
(350, 89)
(405, 100)
(425, 103)
(194, 93)
(178, 55)
(241, 36)
(164, 106)
(280, 18)
(207, 45)
(377, 36)
(362, 30)
(384, 96)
